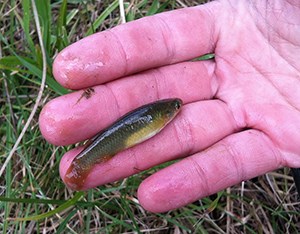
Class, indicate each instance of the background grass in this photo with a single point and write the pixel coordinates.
(31, 185)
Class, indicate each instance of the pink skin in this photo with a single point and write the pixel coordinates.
(241, 114)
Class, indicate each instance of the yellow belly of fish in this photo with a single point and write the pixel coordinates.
(144, 133)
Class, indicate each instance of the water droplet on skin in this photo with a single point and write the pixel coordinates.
(91, 65)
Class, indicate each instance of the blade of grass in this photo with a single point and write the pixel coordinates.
(89, 213)
(48, 214)
(102, 17)
(31, 201)
(61, 36)
(156, 7)
(204, 57)
(12, 26)
(164, 6)
(153, 8)
(71, 15)
(26, 23)
(173, 221)
(44, 12)
(128, 212)
(8, 174)
(62, 226)
(115, 220)
(215, 202)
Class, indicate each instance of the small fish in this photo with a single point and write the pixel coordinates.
(131, 129)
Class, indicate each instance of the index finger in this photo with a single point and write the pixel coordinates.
(139, 45)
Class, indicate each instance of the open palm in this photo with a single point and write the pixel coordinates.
(240, 117)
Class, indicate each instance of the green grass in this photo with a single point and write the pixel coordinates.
(31, 188)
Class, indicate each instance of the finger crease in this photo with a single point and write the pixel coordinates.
(184, 128)
(203, 180)
(114, 97)
(122, 50)
(167, 33)
(160, 78)
(234, 156)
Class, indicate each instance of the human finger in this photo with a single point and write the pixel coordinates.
(150, 42)
(238, 157)
(78, 116)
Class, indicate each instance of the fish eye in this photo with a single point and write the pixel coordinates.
(178, 104)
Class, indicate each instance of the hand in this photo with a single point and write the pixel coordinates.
(240, 117)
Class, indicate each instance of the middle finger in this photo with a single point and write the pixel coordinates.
(80, 115)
